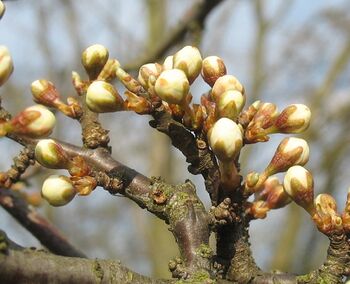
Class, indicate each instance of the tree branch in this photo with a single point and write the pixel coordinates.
(41, 228)
(202, 160)
(197, 13)
(30, 266)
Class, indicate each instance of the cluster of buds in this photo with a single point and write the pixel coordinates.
(6, 64)
(44, 92)
(51, 155)
(266, 120)
(273, 196)
(290, 152)
(299, 185)
(35, 121)
(102, 96)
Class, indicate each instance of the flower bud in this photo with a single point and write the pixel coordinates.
(290, 152)
(58, 190)
(226, 83)
(230, 104)
(103, 97)
(94, 59)
(299, 185)
(213, 67)
(168, 63)
(44, 92)
(274, 194)
(189, 60)
(225, 139)
(42, 125)
(294, 119)
(2, 9)
(147, 70)
(326, 216)
(51, 154)
(247, 115)
(172, 86)
(136, 103)
(262, 122)
(6, 64)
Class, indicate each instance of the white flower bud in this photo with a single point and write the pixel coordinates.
(294, 119)
(189, 60)
(6, 64)
(147, 70)
(94, 59)
(299, 185)
(230, 104)
(168, 63)
(50, 154)
(2, 9)
(290, 152)
(225, 139)
(39, 127)
(172, 86)
(226, 83)
(103, 97)
(58, 190)
(213, 67)
(44, 92)
(294, 143)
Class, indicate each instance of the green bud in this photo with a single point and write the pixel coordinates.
(225, 139)
(172, 86)
(58, 190)
(103, 97)
(94, 59)
(51, 155)
(213, 67)
(6, 64)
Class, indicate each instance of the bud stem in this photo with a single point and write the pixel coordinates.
(229, 175)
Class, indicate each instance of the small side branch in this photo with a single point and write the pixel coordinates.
(41, 228)
(196, 150)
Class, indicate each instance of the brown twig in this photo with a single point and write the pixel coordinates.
(40, 227)
(197, 14)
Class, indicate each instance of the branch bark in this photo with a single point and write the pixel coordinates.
(30, 266)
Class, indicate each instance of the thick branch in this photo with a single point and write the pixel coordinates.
(41, 228)
(195, 150)
(336, 264)
(29, 266)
